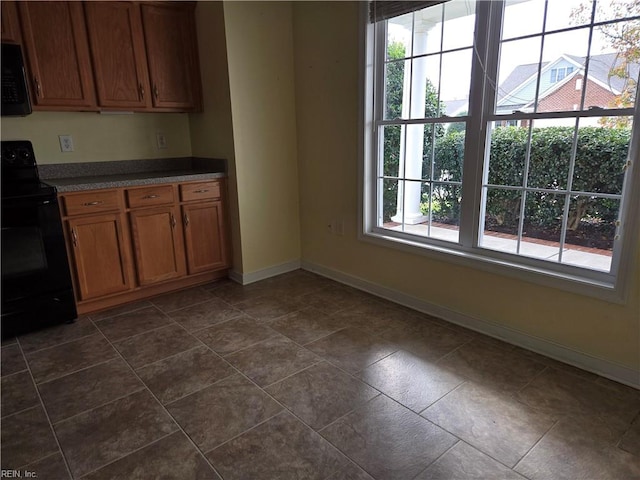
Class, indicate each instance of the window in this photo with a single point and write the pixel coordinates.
(470, 152)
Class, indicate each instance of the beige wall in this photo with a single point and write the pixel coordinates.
(99, 137)
(212, 130)
(327, 86)
(261, 78)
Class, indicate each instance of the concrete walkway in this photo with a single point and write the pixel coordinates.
(571, 255)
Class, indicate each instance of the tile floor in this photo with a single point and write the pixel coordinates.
(299, 377)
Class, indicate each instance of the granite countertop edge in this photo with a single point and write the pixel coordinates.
(82, 183)
(130, 173)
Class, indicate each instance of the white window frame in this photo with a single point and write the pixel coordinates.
(611, 286)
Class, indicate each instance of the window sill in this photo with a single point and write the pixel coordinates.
(593, 288)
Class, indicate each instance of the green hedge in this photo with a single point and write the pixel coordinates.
(600, 157)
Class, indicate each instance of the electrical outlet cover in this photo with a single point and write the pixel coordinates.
(66, 143)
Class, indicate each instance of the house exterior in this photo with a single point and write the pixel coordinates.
(561, 86)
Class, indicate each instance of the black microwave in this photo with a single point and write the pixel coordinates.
(15, 94)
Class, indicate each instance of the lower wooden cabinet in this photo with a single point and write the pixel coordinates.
(203, 229)
(157, 244)
(100, 256)
(170, 241)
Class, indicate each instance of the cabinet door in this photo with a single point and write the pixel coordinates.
(172, 55)
(157, 244)
(204, 233)
(99, 256)
(117, 49)
(10, 23)
(58, 55)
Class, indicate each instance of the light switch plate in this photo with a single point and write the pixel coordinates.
(66, 143)
(161, 140)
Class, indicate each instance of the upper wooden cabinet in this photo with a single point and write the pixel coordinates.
(118, 52)
(172, 55)
(104, 55)
(57, 50)
(10, 23)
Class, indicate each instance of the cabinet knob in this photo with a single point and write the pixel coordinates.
(147, 197)
(74, 237)
(37, 83)
(186, 220)
(155, 91)
(141, 90)
(92, 204)
(173, 221)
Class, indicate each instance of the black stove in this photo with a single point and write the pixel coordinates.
(36, 282)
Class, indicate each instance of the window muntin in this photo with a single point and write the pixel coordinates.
(427, 64)
(560, 195)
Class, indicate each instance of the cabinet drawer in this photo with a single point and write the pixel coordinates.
(149, 196)
(92, 202)
(199, 191)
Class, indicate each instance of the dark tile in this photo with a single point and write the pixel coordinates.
(410, 380)
(272, 360)
(107, 433)
(56, 335)
(75, 393)
(185, 298)
(631, 439)
(234, 293)
(466, 463)
(351, 472)
(297, 283)
(225, 409)
(26, 437)
(321, 394)
(52, 467)
(578, 448)
(558, 392)
(487, 363)
(155, 345)
(388, 440)
(269, 307)
(11, 360)
(205, 314)
(375, 316)
(307, 325)
(69, 357)
(352, 349)
(133, 323)
(18, 393)
(282, 448)
(336, 297)
(8, 341)
(234, 335)
(172, 457)
(119, 310)
(182, 374)
(216, 284)
(425, 338)
(490, 421)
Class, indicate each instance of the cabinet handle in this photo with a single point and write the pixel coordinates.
(141, 90)
(173, 221)
(186, 220)
(146, 197)
(92, 204)
(38, 89)
(74, 237)
(201, 191)
(155, 90)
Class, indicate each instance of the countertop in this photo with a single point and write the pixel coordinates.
(95, 175)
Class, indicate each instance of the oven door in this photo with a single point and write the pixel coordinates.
(35, 271)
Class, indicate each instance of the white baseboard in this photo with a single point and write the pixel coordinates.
(599, 366)
(251, 277)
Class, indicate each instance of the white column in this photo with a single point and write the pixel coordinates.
(413, 104)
